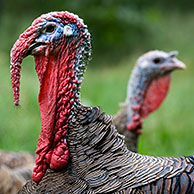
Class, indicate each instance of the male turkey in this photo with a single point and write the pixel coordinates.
(79, 149)
(147, 88)
(15, 169)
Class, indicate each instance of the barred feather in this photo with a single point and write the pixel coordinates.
(113, 170)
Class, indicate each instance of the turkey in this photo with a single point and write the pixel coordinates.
(16, 159)
(147, 88)
(15, 169)
(79, 149)
(12, 179)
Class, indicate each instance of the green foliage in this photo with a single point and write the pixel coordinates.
(121, 30)
(117, 26)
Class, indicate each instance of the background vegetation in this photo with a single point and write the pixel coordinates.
(122, 30)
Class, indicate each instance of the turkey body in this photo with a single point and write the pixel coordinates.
(120, 121)
(101, 163)
(15, 169)
(16, 159)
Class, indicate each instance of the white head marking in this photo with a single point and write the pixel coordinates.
(144, 64)
(67, 30)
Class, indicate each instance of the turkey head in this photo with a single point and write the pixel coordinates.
(149, 85)
(60, 44)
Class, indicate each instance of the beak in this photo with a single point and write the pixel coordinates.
(33, 47)
(177, 64)
(174, 62)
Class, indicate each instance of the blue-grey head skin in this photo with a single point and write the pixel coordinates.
(149, 66)
(54, 31)
(51, 32)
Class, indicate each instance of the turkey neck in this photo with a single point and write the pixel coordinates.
(146, 91)
(59, 99)
(137, 86)
(128, 120)
(57, 84)
(120, 121)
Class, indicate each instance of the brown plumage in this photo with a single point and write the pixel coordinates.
(10, 183)
(16, 159)
(120, 121)
(15, 169)
(101, 163)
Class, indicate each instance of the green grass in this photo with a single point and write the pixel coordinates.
(167, 132)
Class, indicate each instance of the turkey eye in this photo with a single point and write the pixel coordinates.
(157, 60)
(50, 28)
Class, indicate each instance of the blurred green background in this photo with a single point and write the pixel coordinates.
(121, 30)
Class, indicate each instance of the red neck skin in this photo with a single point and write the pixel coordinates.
(152, 97)
(56, 75)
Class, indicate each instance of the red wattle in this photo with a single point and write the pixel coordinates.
(155, 95)
(37, 176)
(60, 156)
(135, 125)
(56, 99)
(47, 100)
